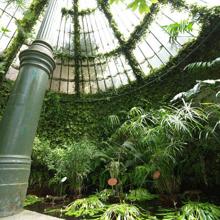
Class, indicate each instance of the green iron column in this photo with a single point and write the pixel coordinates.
(19, 122)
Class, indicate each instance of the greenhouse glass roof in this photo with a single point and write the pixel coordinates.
(99, 46)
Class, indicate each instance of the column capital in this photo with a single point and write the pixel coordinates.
(39, 54)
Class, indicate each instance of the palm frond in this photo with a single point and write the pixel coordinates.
(177, 28)
(202, 66)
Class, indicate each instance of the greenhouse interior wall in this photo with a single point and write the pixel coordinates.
(126, 124)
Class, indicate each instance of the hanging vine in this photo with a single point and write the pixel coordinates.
(87, 11)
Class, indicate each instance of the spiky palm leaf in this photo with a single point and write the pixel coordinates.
(202, 66)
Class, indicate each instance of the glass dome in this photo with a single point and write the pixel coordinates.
(99, 46)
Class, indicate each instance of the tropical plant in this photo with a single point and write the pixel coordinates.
(194, 211)
(75, 162)
(114, 169)
(200, 211)
(140, 174)
(140, 195)
(167, 214)
(177, 28)
(123, 211)
(203, 89)
(72, 162)
(203, 66)
(155, 140)
(143, 6)
(85, 207)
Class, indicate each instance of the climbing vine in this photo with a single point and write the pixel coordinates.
(126, 47)
(128, 54)
(87, 11)
(207, 17)
(24, 27)
(76, 45)
(141, 29)
(68, 117)
(66, 55)
(66, 12)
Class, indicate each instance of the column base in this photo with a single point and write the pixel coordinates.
(14, 174)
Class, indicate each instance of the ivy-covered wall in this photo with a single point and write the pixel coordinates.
(68, 117)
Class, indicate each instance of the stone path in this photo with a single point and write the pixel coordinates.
(29, 215)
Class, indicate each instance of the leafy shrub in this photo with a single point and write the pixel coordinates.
(39, 176)
(75, 162)
(159, 138)
(123, 211)
(140, 195)
(194, 211)
(83, 207)
(200, 211)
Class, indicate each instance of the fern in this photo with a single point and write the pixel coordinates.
(177, 28)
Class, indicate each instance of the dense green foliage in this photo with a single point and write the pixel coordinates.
(122, 211)
(135, 146)
(132, 134)
(73, 162)
(195, 211)
(24, 27)
(85, 207)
